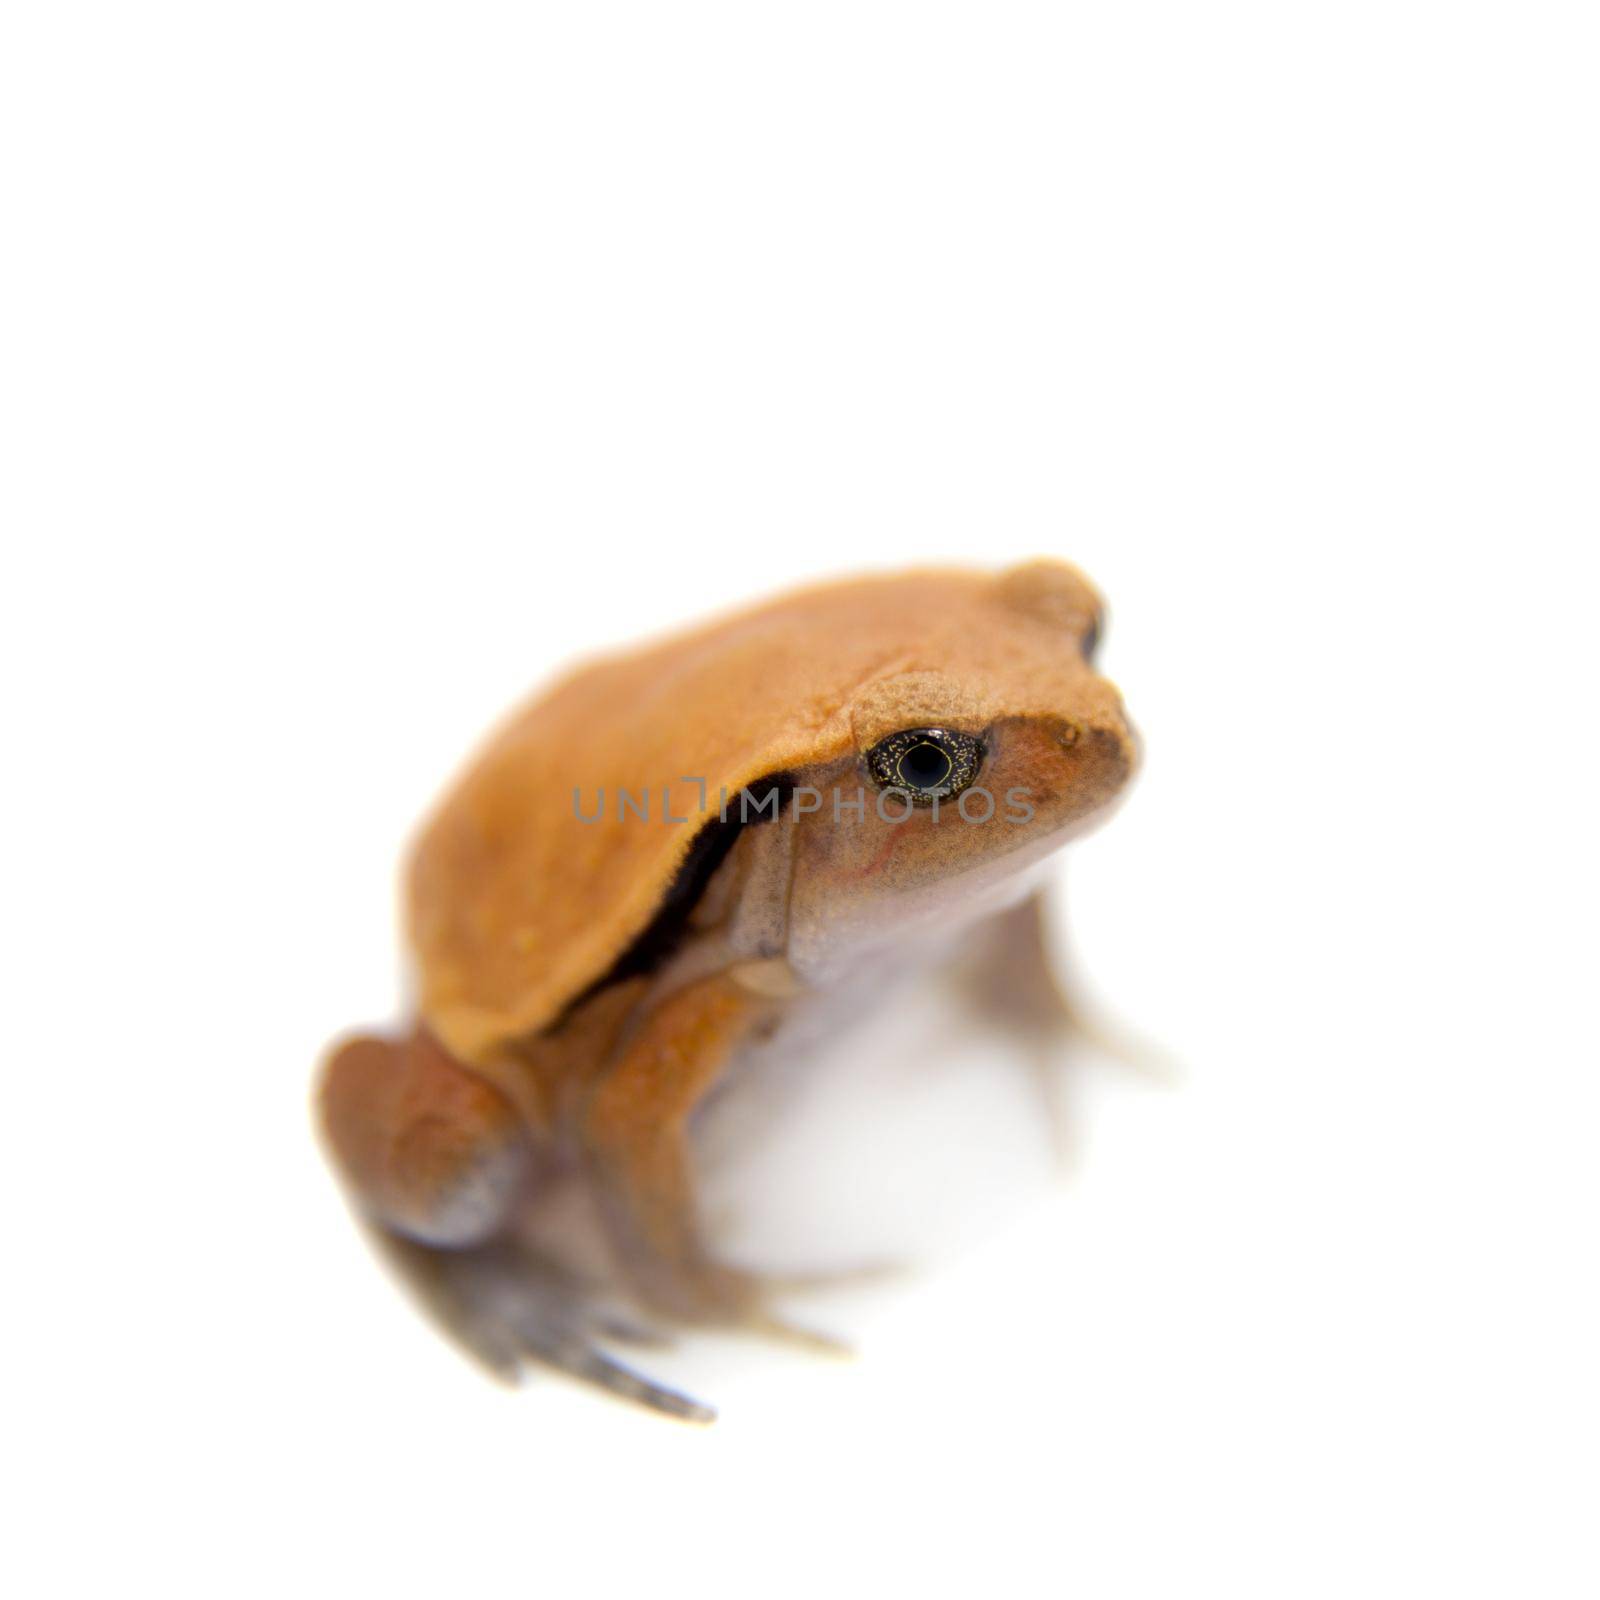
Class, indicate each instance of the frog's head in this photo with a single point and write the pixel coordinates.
(984, 747)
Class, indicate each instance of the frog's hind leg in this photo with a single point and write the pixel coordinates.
(437, 1160)
(430, 1149)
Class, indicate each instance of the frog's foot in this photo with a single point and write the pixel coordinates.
(818, 1282)
(859, 1275)
(508, 1308)
(711, 1295)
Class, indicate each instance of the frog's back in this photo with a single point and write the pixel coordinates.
(516, 904)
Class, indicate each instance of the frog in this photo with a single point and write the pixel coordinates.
(658, 871)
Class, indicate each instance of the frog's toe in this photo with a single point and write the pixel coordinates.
(509, 1310)
(624, 1329)
(576, 1356)
(713, 1295)
(569, 1342)
(814, 1340)
(862, 1274)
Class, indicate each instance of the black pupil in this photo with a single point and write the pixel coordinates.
(924, 766)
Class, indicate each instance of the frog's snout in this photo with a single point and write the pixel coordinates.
(1099, 745)
(1116, 732)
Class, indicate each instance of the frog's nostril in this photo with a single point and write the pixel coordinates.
(1100, 741)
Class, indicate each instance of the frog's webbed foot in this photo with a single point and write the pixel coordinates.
(508, 1307)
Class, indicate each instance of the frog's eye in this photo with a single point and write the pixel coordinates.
(928, 763)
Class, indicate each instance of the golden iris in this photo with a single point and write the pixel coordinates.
(928, 763)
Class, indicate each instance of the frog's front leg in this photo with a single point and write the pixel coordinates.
(634, 1129)
(1013, 974)
(1017, 978)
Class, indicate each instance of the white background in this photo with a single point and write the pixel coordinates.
(364, 362)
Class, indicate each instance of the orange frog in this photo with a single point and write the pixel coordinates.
(646, 880)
